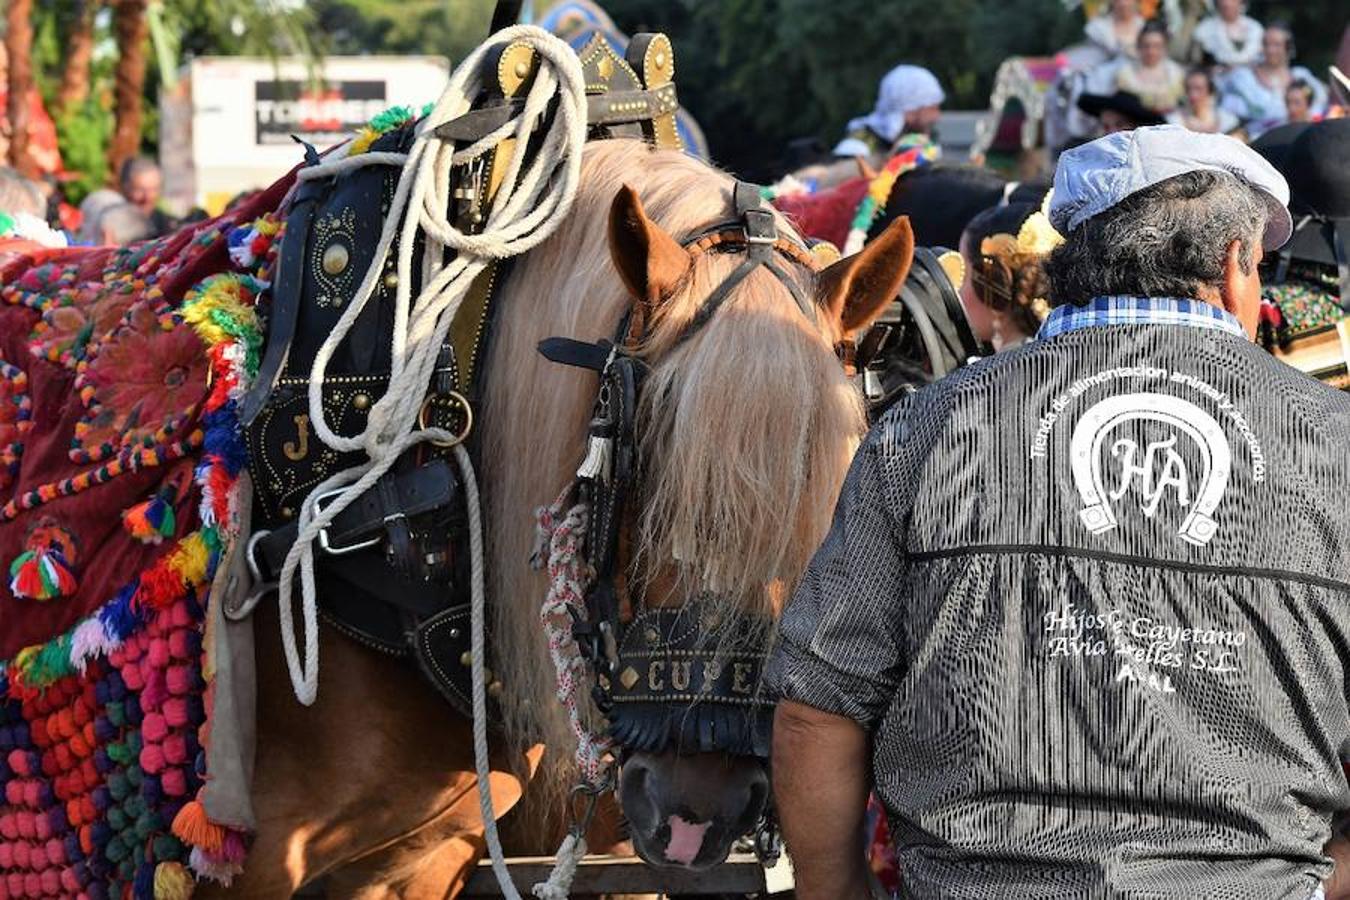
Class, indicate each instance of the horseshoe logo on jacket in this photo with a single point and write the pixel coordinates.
(1160, 468)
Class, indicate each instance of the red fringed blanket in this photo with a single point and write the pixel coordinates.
(119, 450)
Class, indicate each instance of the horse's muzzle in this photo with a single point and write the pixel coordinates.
(687, 810)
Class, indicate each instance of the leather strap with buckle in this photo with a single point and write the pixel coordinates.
(381, 515)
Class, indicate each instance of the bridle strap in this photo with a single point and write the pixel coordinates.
(754, 231)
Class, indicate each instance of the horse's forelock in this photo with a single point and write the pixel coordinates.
(748, 427)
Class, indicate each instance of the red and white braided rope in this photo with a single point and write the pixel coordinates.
(561, 536)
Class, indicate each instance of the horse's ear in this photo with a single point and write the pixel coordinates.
(856, 290)
(650, 261)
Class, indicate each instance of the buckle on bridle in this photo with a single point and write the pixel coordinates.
(760, 227)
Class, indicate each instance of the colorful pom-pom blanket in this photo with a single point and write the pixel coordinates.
(119, 455)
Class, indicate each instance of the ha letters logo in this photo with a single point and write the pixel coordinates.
(1155, 473)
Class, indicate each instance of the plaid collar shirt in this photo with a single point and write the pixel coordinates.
(1125, 310)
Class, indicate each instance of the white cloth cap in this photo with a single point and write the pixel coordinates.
(904, 89)
(1096, 176)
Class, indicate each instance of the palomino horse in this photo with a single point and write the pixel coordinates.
(752, 422)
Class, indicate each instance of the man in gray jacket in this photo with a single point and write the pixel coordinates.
(1083, 618)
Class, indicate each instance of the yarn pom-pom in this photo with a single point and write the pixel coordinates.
(173, 881)
(151, 521)
(192, 826)
(41, 574)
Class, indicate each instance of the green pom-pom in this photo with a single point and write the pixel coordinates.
(116, 849)
(116, 716)
(118, 786)
(167, 848)
(119, 753)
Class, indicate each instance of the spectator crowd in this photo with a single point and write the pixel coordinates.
(1229, 74)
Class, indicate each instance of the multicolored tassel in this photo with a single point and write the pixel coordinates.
(153, 520)
(42, 572)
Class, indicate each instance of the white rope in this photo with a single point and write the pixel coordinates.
(535, 196)
(573, 848)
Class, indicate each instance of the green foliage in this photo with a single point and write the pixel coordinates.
(83, 135)
(442, 27)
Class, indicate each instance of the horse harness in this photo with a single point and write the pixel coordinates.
(393, 566)
(667, 677)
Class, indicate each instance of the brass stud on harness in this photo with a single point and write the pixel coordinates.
(391, 280)
(336, 258)
(361, 401)
(466, 658)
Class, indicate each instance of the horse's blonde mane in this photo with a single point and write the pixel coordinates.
(747, 428)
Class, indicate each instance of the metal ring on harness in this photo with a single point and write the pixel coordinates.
(456, 397)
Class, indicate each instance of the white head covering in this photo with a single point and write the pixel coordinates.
(904, 89)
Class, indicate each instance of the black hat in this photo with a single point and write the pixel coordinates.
(1274, 145)
(1319, 178)
(1123, 102)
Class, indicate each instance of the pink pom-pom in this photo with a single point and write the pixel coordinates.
(180, 644)
(6, 855)
(43, 826)
(174, 782)
(176, 712)
(181, 618)
(152, 758)
(22, 854)
(14, 792)
(155, 692)
(9, 827)
(131, 675)
(158, 654)
(51, 883)
(154, 728)
(14, 882)
(131, 650)
(27, 823)
(175, 749)
(37, 858)
(179, 680)
(56, 852)
(32, 885)
(32, 794)
(18, 762)
(69, 883)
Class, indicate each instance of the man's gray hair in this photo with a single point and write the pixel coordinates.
(1168, 240)
(20, 195)
(124, 224)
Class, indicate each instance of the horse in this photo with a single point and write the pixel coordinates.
(748, 422)
(751, 423)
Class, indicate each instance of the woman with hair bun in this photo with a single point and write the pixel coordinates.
(1005, 287)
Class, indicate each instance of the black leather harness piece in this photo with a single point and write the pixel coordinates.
(392, 569)
(680, 677)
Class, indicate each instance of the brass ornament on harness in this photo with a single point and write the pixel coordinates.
(449, 398)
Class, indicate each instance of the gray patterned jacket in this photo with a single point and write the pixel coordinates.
(1092, 599)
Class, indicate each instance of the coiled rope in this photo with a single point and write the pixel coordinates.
(535, 196)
